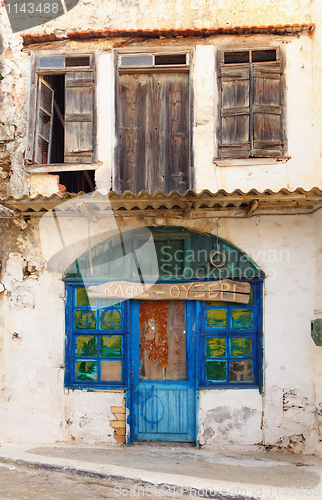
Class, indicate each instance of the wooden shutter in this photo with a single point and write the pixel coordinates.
(267, 115)
(235, 112)
(79, 103)
(134, 131)
(153, 132)
(171, 132)
(45, 105)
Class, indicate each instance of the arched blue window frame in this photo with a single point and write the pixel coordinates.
(94, 348)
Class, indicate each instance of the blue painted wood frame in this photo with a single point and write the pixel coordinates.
(72, 333)
(162, 389)
(255, 333)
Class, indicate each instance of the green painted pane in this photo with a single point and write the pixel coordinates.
(109, 303)
(82, 298)
(217, 318)
(111, 347)
(242, 319)
(86, 370)
(216, 370)
(241, 346)
(241, 371)
(86, 346)
(216, 303)
(110, 320)
(216, 347)
(85, 320)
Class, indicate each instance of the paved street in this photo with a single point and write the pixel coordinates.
(24, 483)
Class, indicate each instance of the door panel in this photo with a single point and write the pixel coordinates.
(163, 371)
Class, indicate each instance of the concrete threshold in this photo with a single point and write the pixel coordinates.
(177, 471)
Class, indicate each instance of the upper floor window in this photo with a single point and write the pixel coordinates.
(153, 123)
(62, 118)
(251, 122)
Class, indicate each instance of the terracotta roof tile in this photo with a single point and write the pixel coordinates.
(30, 38)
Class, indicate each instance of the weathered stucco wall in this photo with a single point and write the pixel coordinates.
(32, 337)
(132, 14)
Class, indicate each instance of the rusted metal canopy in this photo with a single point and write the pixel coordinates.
(190, 204)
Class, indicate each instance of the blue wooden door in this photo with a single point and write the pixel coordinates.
(163, 388)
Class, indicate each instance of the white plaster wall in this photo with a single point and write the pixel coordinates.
(318, 314)
(117, 14)
(32, 348)
(230, 418)
(88, 416)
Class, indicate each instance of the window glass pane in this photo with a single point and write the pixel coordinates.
(216, 370)
(216, 318)
(109, 303)
(170, 59)
(110, 320)
(111, 371)
(241, 346)
(139, 60)
(241, 319)
(241, 371)
(86, 370)
(263, 55)
(216, 303)
(85, 320)
(77, 61)
(162, 353)
(216, 347)
(44, 125)
(86, 346)
(51, 62)
(82, 298)
(46, 95)
(111, 347)
(236, 57)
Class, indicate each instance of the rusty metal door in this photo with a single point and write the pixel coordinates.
(163, 371)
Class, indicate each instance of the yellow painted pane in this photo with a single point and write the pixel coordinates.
(216, 347)
(217, 318)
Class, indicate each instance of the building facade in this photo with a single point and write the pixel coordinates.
(161, 226)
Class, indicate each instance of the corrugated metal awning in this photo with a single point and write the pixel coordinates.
(221, 203)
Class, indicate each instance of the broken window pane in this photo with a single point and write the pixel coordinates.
(241, 371)
(216, 370)
(85, 320)
(241, 346)
(111, 347)
(216, 347)
(162, 340)
(86, 346)
(241, 319)
(86, 370)
(216, 318)
(111, 371)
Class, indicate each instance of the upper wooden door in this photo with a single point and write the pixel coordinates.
(153, 132)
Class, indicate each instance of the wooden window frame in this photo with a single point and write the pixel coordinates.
(233, 157)
(38, 73)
